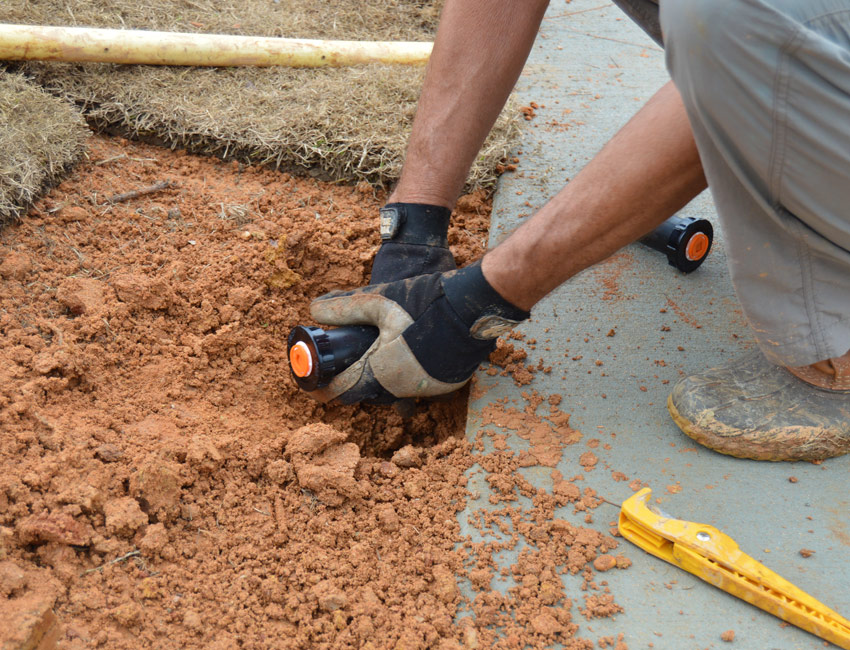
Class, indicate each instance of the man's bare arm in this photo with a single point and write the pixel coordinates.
(479, 52)
(647, 172)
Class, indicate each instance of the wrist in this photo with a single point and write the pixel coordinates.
(479, 305)
(507, 280)
(415, 223)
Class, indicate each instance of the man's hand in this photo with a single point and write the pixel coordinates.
(413, 242)
(434, 331)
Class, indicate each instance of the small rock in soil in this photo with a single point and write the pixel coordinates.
(108, 453)
(388, 470)
(408, 456)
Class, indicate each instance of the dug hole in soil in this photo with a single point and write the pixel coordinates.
(163, 482)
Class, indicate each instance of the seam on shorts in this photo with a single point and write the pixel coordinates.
(776, 168)
(804, 254)
(823, 16)
(782, 81)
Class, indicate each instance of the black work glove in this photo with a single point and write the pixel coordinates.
(413, 242)
(434, 332)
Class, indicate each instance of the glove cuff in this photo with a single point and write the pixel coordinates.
(479, 305)
(415, 223)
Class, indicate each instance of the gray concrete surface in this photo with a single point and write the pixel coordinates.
(592, 69)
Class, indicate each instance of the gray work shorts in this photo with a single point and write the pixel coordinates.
(766, 84)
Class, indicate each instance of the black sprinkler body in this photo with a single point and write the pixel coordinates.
(685, 241)
(316, 356)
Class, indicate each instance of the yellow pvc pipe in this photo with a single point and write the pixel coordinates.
(43, 43)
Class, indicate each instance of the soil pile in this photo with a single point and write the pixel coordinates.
(163, 482)
(145, 407)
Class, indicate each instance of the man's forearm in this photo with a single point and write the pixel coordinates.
(647, 172)
(479, 52)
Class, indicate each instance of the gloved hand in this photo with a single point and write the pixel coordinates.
(434, 331)
(413, 242)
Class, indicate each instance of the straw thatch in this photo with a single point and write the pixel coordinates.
(345, 124)
(40, 137)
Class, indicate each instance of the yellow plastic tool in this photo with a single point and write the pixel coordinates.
(715, 557)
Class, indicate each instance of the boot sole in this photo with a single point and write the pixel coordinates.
(695, 434)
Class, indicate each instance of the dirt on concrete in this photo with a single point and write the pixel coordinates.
(163, 483)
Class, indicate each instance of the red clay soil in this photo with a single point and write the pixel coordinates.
(163, 483)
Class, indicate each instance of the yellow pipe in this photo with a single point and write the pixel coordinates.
(42, 43)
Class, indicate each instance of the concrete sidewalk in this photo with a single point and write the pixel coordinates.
(590, 70)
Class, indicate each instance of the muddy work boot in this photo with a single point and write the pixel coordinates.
(751, 408)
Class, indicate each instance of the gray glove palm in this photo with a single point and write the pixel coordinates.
(434, 332)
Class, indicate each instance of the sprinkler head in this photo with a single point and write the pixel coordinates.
(316, 356)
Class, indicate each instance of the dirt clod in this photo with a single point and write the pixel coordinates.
(12, 578)
(15, 266)
(108, 453)
(155, 539)
(330, 474)
(330, 598)
(408, 456)
(157, 486)
(82, 295)
(124, 517)
(56, 527)
(546, 624)
(604, 562)
(142, 291)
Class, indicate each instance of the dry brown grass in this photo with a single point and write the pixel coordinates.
(40, 137)
(346, 124)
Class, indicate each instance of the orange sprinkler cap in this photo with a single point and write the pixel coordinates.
(300, 359)
(697, 247)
